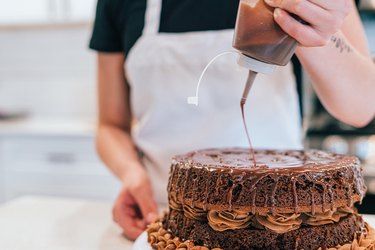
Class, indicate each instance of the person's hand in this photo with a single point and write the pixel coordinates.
(135, 206)
(324, 18)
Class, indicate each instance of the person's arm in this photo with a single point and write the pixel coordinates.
(333, 50)
(135, 206)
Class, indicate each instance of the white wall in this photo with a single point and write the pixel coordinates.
(49, 72)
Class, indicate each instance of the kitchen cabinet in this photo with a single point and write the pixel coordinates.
(53, 164)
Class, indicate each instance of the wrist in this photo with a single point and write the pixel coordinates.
(132, 169)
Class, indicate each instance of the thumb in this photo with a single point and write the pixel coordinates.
(146, 203)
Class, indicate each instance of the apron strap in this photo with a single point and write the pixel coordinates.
(152, 17)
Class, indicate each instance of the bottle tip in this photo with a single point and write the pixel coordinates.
(193, 100)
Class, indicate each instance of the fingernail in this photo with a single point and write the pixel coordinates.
(277, 12)
(269, 1)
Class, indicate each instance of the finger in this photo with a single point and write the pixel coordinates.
(304, 34)
(332, 5)
(131, 232)
(146, 203)
(131, 225)
(306, 10)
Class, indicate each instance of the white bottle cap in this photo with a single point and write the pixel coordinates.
(255, 65)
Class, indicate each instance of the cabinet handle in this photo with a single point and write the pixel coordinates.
(61, 158)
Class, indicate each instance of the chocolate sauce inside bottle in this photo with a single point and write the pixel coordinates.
(258, 36)
(249, 83)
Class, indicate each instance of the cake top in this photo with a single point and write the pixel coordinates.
(284, 181)
(265, 160)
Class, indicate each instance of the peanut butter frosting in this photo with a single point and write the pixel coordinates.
(224, 220)
(161, 239)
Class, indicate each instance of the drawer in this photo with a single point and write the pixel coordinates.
(80, 186)
(62, 155)
(55, 148)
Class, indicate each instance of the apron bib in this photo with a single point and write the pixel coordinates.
(163, 69)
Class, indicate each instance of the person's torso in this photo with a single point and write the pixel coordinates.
(163, 68)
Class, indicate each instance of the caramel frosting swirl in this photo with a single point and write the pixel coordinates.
(329, 217)
(195, 213)
(279, 223)
(225, 220)
(174, 205)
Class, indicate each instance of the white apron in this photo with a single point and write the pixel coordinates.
(163, 70)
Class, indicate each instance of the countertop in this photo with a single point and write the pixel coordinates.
(44, 223)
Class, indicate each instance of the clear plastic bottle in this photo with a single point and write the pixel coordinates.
(258, 36)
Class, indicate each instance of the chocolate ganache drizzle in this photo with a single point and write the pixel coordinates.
(281, 181)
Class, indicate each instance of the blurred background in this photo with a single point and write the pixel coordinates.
(48, 105)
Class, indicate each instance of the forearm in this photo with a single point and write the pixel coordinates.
(343, 78)
(117, 150)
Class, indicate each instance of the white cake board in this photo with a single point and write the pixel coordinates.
(142, 244)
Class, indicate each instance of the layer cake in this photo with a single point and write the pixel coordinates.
(223, 199)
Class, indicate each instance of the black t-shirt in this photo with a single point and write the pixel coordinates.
(119, 23)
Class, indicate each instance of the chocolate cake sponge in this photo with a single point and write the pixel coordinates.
(278, 182)
(250, 239)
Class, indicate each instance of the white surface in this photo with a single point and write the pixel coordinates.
(35, 223)
(141, 243)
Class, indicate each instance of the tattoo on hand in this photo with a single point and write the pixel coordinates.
(341, 44)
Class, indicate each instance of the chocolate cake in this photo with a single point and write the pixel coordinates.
(223, 199)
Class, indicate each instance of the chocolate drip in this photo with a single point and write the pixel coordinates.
(331, 197)
(324, 187)
(185, 186)
(172, 182)
(194, 193)
(295, 195)
(206, 192)
(273, 193)
(254, 192)
(348, 196)
(313, 208)
(177, 192)
(253, 197)
(230, 196)
(218, 181)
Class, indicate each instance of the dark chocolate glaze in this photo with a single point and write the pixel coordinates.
(282, 181)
